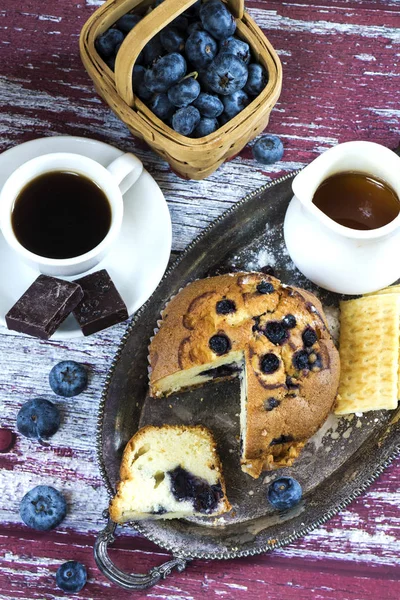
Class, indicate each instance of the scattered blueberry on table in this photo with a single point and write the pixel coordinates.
(268, 149)
(284, 493)
(71, 576)
(68, 378)
(43, 508)
(7, 439)
(198, 61)
(38, 419)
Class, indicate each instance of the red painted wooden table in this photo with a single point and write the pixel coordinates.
(341, 63)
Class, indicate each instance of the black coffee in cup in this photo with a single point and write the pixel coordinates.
(61, 214)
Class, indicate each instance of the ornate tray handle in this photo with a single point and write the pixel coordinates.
(133, 581)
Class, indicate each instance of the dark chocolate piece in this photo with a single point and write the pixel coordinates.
(101, 306)
(44, 306)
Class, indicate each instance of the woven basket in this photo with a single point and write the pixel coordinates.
(190, 158)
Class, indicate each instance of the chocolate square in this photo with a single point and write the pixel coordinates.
(101, 306)
(44, 306)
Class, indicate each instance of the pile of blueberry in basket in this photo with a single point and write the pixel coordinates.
(195, 74)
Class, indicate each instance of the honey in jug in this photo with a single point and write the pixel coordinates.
(357, 200)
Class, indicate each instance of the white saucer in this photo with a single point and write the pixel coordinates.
(137, 261)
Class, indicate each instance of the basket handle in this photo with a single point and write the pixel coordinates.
(132, 581)
(146, 29)
(236, 7)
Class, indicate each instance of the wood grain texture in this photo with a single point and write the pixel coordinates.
(341, 81)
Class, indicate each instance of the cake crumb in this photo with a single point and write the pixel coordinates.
(347, 433)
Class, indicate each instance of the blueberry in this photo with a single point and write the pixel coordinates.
(265, 287)
(219, 344)
(268, 149)
(217, 19)
(152, 51)
(172, 39)
(200, 49)
(225, 307)
(43, 508)
(284, 493)
(161, 106)
(300, 360)
(159, 510)
(257, 79)
(106, 43)
(271, 403)
(181, 23)
(184, 92)
(275, 332)
(182, 483)
(193, 11)
(223, 119)
(7, 439)
(235, 103)
(268, 270)
(167, 70)
(309, 337)
(68, 378)
(127, 22)
(38, 419)
(235, 46)
(186, 486)
(195, 26)
(207, 497)
(71, 576)
(185, 120)
(205, 127)
(269, 363)
(209, 106)
(282, 439)
(138, 85)
(110, 62)
(289, 321)
(290, 383)
(226, 74)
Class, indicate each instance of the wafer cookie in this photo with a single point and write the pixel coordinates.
(369, 354)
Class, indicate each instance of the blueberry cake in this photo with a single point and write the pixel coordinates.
(170, 472)
(274, 337)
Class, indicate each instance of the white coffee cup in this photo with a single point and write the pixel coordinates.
(114, 180)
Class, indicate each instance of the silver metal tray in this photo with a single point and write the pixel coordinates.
(337, 464)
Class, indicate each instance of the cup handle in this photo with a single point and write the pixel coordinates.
(126, 170)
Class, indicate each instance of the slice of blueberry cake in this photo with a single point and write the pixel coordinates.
(170, 472)
(274, 337)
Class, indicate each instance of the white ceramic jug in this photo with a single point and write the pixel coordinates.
(337, 258)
